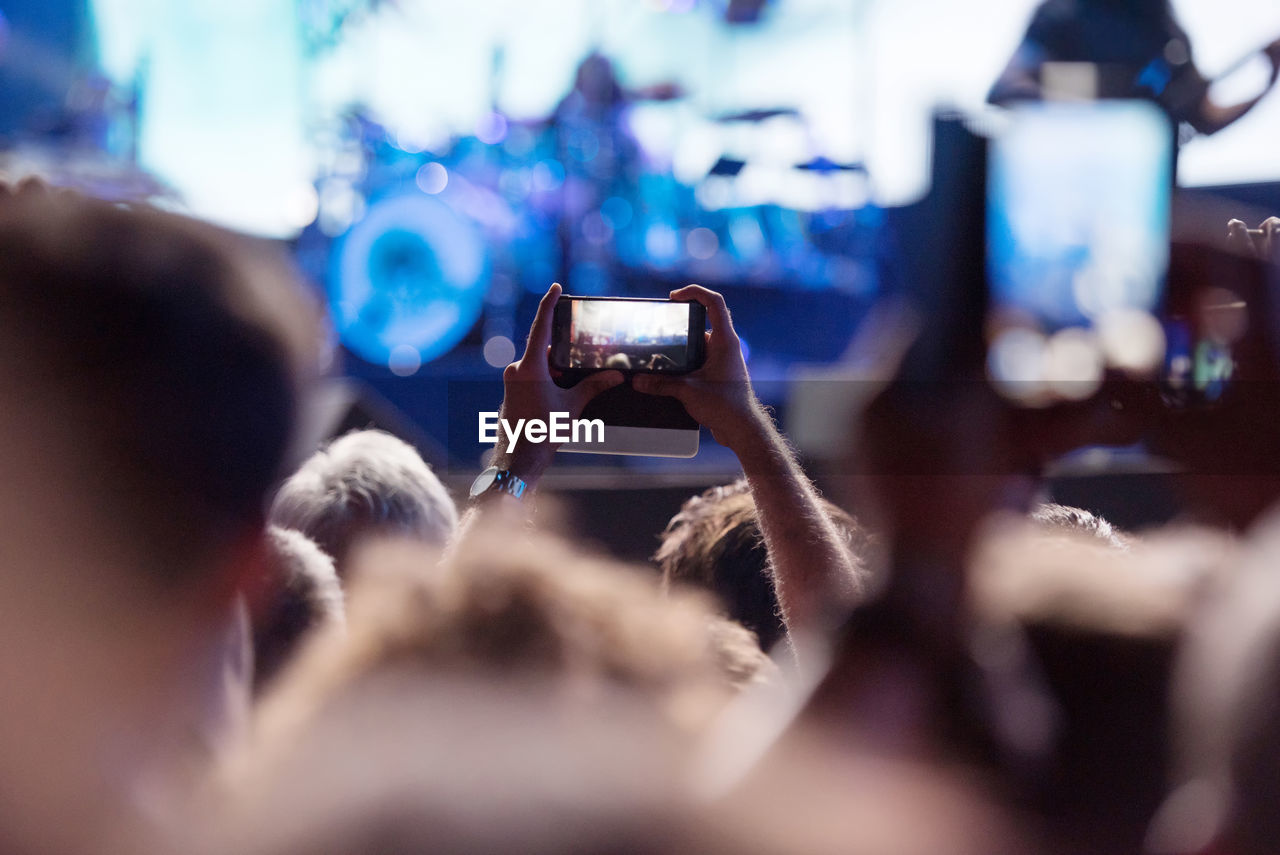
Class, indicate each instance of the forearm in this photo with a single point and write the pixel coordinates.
(1214, 117)
(815, 575)
(526, 462)
(492, 513)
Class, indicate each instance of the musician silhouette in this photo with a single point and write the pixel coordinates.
(1139, 51)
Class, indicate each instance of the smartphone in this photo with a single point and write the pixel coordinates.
(634, 336)
(1077, 245)
(1078, 207)
(1210, 323)
(1198, 368)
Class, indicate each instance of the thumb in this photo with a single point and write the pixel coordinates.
(656, 384)
(592, 385)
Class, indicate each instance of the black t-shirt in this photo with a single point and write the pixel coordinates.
(1140, 50)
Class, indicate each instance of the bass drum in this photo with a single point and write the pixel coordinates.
(407, 282)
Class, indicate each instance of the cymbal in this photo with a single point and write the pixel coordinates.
(822, 164)
(757, 115)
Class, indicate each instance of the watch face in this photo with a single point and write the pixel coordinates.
(484, 481)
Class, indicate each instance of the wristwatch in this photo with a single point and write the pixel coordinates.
(495, 480)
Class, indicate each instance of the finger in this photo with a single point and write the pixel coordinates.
(1270, 236)
(592, 385)
(539, 368)
(540, 332)
(527, 369)
(656, 384)
(717, 311)
(1238, 236)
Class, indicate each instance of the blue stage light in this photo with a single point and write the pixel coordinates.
(410, 274)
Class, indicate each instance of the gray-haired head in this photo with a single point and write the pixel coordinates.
(303, 595)
(364, 483)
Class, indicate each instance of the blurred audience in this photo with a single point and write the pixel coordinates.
(526, 610)
(1099, 623)
(453, 761)
(351, 666)
(1226, 732)
(364, 483)
(813, 795)
(151, 368)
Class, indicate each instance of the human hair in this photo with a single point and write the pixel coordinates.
(302, 595)
(162, 359)
(363, 483)
(714, 542)
(534, 611)
(463, 764)
(1053, 516)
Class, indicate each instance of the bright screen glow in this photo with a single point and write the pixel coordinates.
(236, 93)
(1078, 211)
(628, 334)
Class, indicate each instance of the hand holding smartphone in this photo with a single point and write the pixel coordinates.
(635, 337)
(682, 376)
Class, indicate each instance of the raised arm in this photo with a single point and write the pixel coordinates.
(530, 392)
(816, 578)
(1211, 117)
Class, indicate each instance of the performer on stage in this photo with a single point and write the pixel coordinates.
(1139, 49)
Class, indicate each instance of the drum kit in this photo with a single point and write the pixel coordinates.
(425, 250)
(416, 246)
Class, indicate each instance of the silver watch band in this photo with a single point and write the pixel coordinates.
(495, 480)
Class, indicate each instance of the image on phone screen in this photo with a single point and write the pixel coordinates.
(628, 335)
(1078, 202)
(1198, 367)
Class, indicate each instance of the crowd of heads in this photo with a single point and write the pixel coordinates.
(220, 632)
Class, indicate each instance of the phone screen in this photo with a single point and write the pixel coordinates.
(1207, 318)
(599, 334)
(1199, 366)
(1078, 210)
(1078, 207)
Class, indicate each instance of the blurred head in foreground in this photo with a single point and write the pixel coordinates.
(525, 698)
(715, 543)
(518, 696)
(464, 764)
(1100, 619)
(812, 795)
(1226, 716)
(417, 761)
(459, 765)
(524, 611)
(150, 367)
(365, 483)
